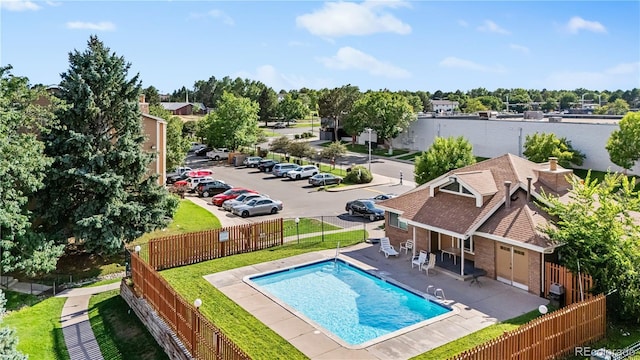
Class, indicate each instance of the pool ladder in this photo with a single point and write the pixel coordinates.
(335, 259)
(438, 293)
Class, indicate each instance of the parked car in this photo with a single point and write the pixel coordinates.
(243, 198)
(279, 125)
(178, 171)
(257, 207)
(173, 178)
(202, 151)
(192, 182)
(266, 165)
(232, 193)
(199, 173)
(324, 179)
(217, 154)
(251, 161)
(366, 208)
(212, 188)
(281, 170)
(195, 146)
(383, 197)
(302, 172)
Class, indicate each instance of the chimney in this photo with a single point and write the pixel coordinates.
(553, 163)
(142, 98)
(507, 189)
(529, 178)
(142, 105)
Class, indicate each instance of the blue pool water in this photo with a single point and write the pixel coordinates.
(348, 302)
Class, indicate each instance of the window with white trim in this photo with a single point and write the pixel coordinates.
(468, 244)
(394, 220)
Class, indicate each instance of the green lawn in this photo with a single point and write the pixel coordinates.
(16, 300)
(255, 338)
(306, 226)
(38, 329)
(118, 331)
(618, 336)
(479, 337)
(189, 217)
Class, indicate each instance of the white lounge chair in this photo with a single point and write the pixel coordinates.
(431, 264)
(420, 260)
(387, 248)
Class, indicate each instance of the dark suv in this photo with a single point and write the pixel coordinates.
(366, 208)
(211, 188)
(266, 165)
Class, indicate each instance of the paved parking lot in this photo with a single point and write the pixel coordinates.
(299, 198)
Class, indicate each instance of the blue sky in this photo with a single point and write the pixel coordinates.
(396, 45)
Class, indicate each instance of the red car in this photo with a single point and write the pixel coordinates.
(232, 193)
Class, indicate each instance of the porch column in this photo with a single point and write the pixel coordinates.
(461, 244)
(413, 249)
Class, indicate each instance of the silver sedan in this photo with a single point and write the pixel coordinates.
(258, 207)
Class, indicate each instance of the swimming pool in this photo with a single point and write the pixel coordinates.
(347, 302)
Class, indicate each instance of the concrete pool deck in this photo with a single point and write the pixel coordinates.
(475, 306)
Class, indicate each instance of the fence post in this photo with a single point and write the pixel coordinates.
(322, 226)
(364, 231)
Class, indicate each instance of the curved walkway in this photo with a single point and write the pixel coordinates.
(78, 335)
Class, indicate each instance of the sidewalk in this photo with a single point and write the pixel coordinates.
(76, 328)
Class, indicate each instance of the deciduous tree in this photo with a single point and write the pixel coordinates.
(624, 144)
(334, 151)
(600, 238)
(290, 108)
(99, 190)
(337, 103)
(540, 146)
(445, 154)
(23, 167)
(280, 145)
(386, 113)
(618, 107)
(233, 124)
(177, 144)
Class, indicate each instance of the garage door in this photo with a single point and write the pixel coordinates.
(512, 265)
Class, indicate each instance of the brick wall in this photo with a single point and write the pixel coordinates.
(158, 329)
(396, 235)
(535, 278)
(485, 255)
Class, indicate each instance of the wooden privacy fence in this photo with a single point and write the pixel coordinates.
(575, 286)
(191, 248)
(201, 338)
(549, 336)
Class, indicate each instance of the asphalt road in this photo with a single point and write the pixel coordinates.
(298, 197)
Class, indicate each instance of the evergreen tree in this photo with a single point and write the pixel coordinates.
(8, 338)
(100, 190)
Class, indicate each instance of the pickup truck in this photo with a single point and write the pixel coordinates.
(217, 154)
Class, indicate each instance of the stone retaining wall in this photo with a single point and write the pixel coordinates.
(172, 346)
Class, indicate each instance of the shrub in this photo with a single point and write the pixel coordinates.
(359, 175)
(296, 136)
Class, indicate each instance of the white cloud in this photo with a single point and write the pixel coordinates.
(221, 15)
(520, 48)
(337, 19)
(623, 75)
(577, 23)
(463, 23)
(490, 26)
(457, 63)
(624, 69)
(270, 76)
(349, 58)
(217, 15)
(101, 26)
(19, 5)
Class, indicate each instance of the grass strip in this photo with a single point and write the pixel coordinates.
(39, 331)
(306, 226)
(250, 334)
(455, 347)
(118, 331)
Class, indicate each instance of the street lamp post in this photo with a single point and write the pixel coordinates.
(369, 131)
(298, 229)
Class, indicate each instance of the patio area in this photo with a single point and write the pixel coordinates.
(475, 306)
